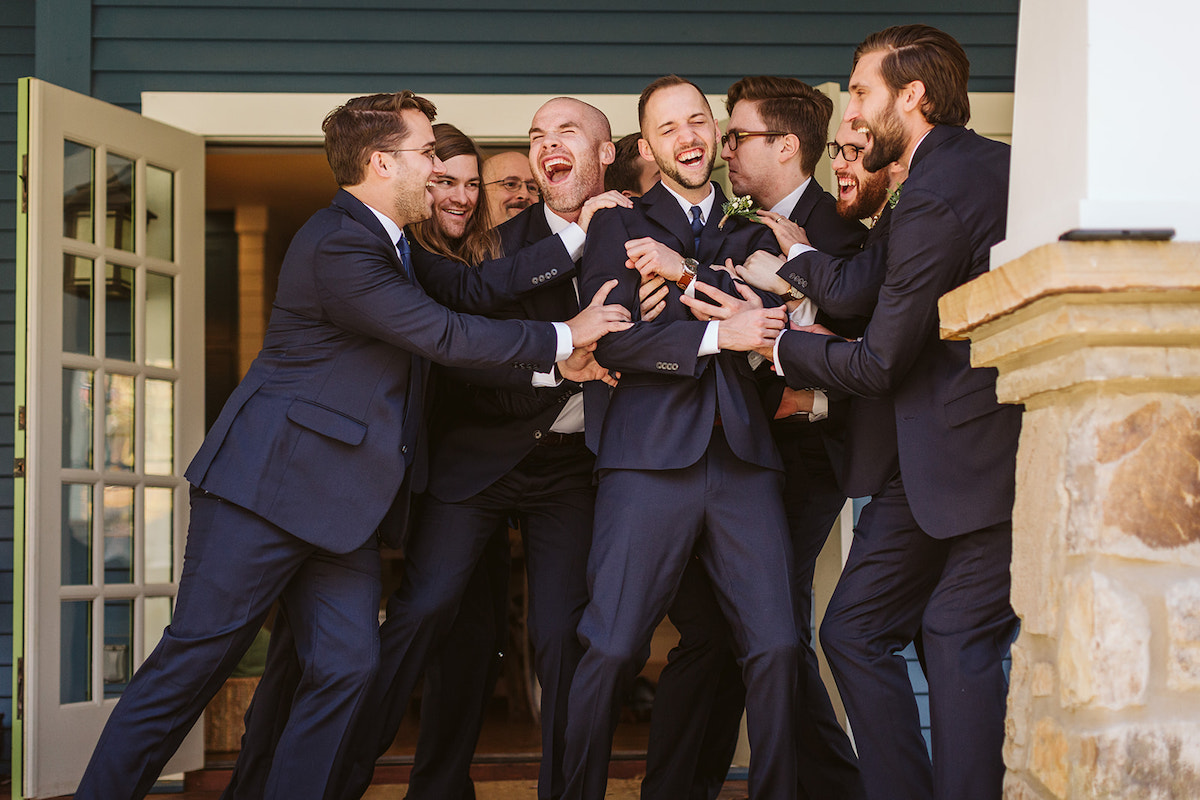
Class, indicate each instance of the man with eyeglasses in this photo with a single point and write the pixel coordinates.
(311, 458)
(508, 185)
(776, 134)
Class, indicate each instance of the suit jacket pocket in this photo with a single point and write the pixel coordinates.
(326, 421)
(972, 405)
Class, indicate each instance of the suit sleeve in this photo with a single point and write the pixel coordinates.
(361, 291)
(926, 253)
(841, 287)
(668, 346)
(495, 282)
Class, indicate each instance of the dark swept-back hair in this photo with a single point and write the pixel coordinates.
(625, 173)
(662, 83)
(789, 105)
(479, 242)
(364, 125)
(933, 57)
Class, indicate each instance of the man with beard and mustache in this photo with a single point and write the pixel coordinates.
(777, 130)
(685, 460)
(508, 185)
(932, 549)
(507, 443)
(312, 454)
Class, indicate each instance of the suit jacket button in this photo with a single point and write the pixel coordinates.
(803, 283)
(554, 271)
(537, 434)
(403, 448)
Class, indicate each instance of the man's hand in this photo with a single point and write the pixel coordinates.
(653, 296)
(649, 256)
(604, 200)
(598, 319)
(581, 366)
(787, 233)
(793, 402)
(745, 324)
(761, 271)
(814, 328)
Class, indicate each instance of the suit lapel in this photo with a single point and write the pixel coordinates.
(662, 208)
(806, 203)
(713, 236)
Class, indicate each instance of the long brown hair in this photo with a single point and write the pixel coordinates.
(479, 242)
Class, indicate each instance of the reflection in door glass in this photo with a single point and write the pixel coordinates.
(77, 419)
(77, 304)
(75, 647)
(118, 646)
(76, 534)
(160, 428)
(78, 197)
(160, 212)
(157, 617)
(120, 203)
(159, 545)
(118, 312)
(118, 534)
(160, 320)
(118, 422)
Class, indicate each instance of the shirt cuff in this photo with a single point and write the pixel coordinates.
(708, 345)
(548, 379)
(778, 365)
(573, 238)
(820, 409)
(565, 346)
(799, 249)
(803, 314)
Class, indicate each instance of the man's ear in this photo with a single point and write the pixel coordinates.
(608, 153)
(790, 148)
(912, 96)
(376, 165)
(644, 150)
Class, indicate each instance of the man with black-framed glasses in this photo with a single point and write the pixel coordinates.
(777, 129)
(508, 185)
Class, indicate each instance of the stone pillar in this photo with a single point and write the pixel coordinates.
(1101, 342)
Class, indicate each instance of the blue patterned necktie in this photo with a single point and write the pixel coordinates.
(405, 258)
(697, 227)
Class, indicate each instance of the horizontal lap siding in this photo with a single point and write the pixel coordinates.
(527, 46)
(16, 61)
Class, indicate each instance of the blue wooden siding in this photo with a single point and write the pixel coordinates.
(525, 46)
(16, 60)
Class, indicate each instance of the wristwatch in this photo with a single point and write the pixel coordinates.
(690, 265)
(794, 293)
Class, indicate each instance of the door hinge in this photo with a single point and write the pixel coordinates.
(20, 688)
(20, 418)
(18, 468)
(25, 183)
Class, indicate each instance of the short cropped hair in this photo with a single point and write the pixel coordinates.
(625, 173)
(789, 105)
(664, 82)
(933, 57)
(365, 125)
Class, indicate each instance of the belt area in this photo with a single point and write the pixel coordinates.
(556, 439)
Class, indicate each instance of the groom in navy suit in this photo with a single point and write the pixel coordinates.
(315, 447)
(685, 459)
(932, 549)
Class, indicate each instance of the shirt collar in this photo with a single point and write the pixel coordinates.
(393, 230)
(705, 205)
(787, 205)
(914, 153)
(557, 224)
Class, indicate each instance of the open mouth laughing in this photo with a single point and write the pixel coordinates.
(556, 168)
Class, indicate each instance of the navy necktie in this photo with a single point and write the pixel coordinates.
(697, 227)
(405, 258)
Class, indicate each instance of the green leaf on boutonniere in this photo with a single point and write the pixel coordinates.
(894, 197)
(738, 207)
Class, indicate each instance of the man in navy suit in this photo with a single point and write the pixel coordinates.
(777, 132)
(932, 549)
(685, 460)
(313, 450)
(507, 443)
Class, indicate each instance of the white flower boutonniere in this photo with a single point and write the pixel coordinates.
(739, 207)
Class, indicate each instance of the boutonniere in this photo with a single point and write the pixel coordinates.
(894, 197)
(738, 207)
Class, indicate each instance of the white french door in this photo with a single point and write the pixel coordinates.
(110, 400)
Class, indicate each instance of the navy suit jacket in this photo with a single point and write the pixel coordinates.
(956, 444)
(661, 414)
(320, 434)
(488, 420)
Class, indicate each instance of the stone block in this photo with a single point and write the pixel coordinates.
(1183, 636)
(1104, 652)
(1048, 757)
(1016, 788)
(1147, 762)
(1020, 700)
(1039, 518)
